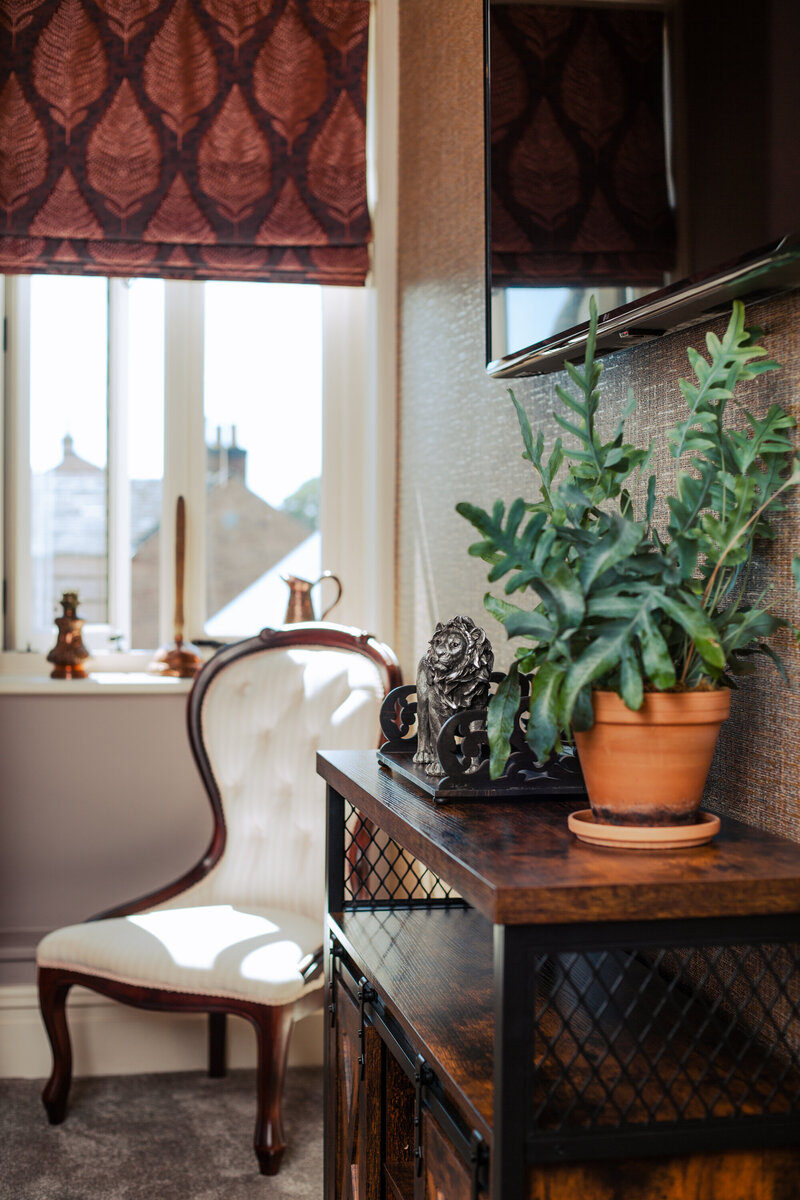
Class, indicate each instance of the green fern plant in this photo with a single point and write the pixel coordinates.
(614, 602)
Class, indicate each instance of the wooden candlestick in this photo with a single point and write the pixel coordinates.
(181, 660)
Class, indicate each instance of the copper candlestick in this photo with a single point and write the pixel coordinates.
(69, 653)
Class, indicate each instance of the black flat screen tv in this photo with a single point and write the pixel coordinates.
(671, 141)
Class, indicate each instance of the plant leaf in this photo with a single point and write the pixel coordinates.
(525, 430)
(631, 678)
(699, 628)
(656, 658)
(618, 543)
(543, 726)
(500, 720)
(501, 609)
(599, 657)
(528, 624)
(563, 592)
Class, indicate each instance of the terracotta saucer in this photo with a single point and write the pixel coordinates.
(638, 837)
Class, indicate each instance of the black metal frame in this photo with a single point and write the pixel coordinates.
(517, 949)
(520, 1047)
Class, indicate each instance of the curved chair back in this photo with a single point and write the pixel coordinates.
(258, 712)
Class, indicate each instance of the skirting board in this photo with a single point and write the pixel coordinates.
(114, 1039)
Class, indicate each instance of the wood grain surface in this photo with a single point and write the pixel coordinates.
(735, 1175)
(517, 862)
(446, 1175)
(433, 970)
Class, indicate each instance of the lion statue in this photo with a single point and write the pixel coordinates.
(453, 675)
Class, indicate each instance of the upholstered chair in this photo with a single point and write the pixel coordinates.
(241, 931)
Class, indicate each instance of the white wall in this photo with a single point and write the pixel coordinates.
(100, 803)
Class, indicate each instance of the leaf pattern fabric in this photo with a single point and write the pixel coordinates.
(127, 17)
(237, 19)
(336, 163)
(23, 147)
(16, 14)
(292, 54)
(66, 212)
(122, 159)
(69, 65)
(234, 166)
(181, 95)
(185, 138)
(578, 161)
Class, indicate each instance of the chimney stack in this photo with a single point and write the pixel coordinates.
(225, 462)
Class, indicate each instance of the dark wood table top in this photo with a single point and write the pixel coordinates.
(516, 861)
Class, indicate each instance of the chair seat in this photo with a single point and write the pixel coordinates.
(210, 950)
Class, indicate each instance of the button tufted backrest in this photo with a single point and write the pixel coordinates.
(263, 716)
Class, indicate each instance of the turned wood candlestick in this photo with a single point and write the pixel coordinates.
(180, 660)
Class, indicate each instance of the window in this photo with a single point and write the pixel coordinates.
(359, 377)
(263, 414)
(69, 486)
(124, 394)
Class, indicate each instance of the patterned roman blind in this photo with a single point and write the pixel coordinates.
(184, 138)
(578, 158)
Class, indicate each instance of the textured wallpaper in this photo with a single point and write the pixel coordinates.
(458, 435)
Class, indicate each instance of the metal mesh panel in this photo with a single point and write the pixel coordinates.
(626, 1040)
(378, 871)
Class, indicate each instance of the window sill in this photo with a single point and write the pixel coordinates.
(109, 675)
(105, 683)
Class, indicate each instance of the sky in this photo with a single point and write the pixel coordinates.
(263, 374)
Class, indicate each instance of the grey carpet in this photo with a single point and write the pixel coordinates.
(179, 1136)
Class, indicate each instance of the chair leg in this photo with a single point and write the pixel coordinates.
(53, 991)
(273, 1031)
(217, 1045)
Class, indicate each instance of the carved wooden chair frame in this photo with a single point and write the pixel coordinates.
(272, 1023)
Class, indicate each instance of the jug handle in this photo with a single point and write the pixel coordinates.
(338, 582)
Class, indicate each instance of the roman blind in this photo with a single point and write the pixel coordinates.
(184, 138)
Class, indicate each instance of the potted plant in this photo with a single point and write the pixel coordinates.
(640, 618)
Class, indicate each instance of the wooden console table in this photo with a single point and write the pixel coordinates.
(514, 1013)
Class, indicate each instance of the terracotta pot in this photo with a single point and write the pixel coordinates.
(649, 767)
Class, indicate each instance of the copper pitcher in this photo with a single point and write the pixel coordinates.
(300, 605)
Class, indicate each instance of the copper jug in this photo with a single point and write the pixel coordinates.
(300, 605)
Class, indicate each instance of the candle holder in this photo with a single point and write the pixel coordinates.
(69, 653)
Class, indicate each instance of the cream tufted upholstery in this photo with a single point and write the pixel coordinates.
(262, 752)
(241, 933)
(263, 718)
(217, 950)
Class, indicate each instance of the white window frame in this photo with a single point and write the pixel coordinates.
(18, 633)
(355, 483)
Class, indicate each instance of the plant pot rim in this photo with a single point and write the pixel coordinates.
(663, 708)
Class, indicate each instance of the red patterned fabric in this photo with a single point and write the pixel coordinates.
(184, 138)
(578, 165)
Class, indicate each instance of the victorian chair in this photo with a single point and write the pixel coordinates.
(241, 931)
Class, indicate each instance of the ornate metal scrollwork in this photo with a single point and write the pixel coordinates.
(463, 752)
(398, 717)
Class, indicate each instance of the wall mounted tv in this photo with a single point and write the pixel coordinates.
(645, 153)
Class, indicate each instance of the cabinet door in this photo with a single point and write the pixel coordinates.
(446, 1175)
(354, 1104)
